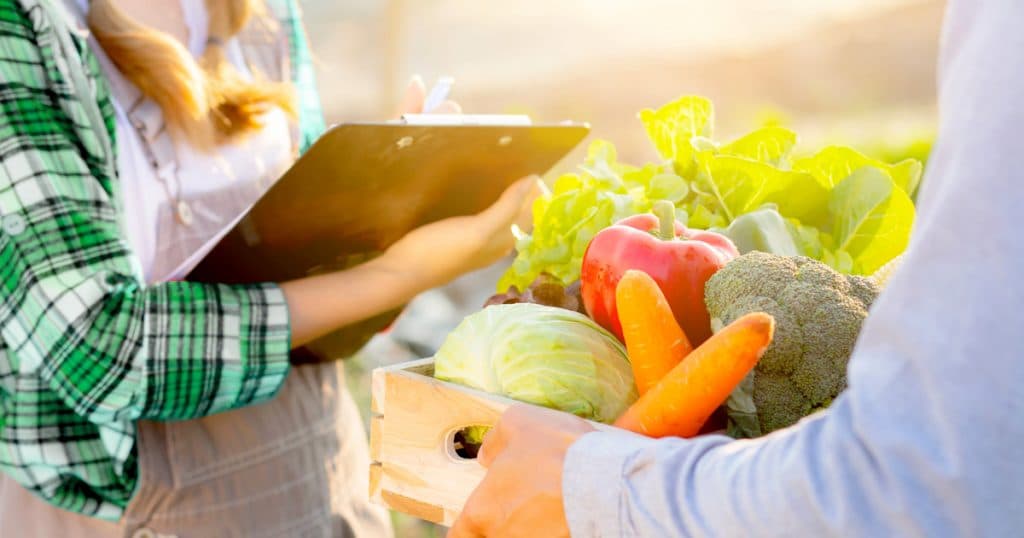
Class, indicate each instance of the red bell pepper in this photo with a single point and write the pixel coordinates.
(680, 260)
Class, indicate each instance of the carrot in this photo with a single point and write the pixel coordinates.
(654, 340)
(684, 399)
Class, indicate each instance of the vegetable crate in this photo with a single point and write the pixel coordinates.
(416, 465)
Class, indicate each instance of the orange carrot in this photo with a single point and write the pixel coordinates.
(654, 340)
(684, 399)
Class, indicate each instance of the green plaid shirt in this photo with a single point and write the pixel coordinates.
(86, 349)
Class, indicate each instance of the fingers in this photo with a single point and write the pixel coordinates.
(525, 218)
(481, 509)
(498, 437)
(470, 522)
(464, 527)
(511, 203)
(415, 94)
(494, 443)
(535, 189)
(506, 208)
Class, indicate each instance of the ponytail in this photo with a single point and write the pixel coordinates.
(207, 102)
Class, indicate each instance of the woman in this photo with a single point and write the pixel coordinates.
(132, 403)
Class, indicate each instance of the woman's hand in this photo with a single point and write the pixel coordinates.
(439, 252)
(416, 94)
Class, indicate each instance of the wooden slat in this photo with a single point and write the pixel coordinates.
(375, 436)
(376, 472)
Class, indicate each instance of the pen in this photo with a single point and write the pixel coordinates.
(438, 94)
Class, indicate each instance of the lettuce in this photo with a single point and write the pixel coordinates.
(673, 126)
(848, 210)
(836, 163)
(771, 145)
(872, 218)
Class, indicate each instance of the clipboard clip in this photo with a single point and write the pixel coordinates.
(497, 120)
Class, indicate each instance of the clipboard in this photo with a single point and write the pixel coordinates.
(362, 186)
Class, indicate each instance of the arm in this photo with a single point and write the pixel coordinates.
(72, 309)
(424, 258)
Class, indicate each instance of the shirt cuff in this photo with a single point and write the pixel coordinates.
(593, 481)
(269, 340)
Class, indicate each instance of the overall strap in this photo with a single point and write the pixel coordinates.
(266, 47)
(143, 113)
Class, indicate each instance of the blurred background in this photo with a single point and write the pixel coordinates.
(856, 72)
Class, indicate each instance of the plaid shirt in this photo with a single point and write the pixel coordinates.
(86, 349)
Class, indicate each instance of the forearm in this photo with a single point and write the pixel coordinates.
(324, 303)
(645, 487)
(820, 479)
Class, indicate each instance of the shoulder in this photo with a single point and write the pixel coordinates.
(31, 84)
(54, 99)
(21, 25)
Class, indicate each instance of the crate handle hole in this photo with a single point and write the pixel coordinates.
(459, 448)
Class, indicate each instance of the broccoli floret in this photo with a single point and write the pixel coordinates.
(818, 315)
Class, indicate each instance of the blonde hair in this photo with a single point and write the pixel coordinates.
(207, 101)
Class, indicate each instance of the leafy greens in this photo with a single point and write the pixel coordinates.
(841, 207)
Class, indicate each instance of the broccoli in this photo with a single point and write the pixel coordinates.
(818, 314)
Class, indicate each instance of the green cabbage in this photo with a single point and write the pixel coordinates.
(541, 355)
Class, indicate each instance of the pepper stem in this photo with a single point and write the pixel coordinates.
(666, 213)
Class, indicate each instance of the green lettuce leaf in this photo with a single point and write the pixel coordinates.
(702, 218)
(836, 163)
(672, 126)
(668, 186)
(582, 204)
(763, 230)
(770, 145)
(808, 239)
(798, 195)
(732, 186)
(872, 219)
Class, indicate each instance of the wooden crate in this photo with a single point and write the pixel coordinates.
(415, 468)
